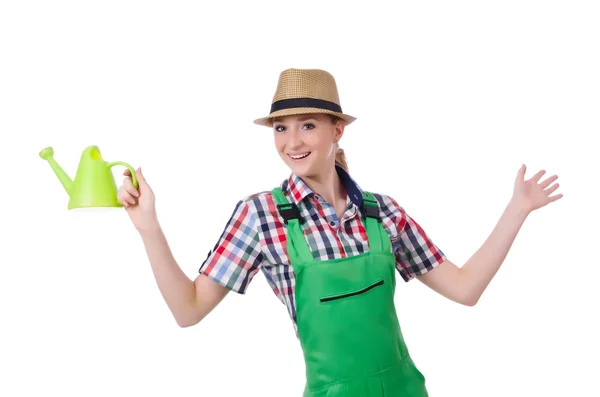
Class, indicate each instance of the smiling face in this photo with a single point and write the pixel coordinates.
(306, 142)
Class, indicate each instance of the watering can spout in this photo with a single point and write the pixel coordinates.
(47, 154)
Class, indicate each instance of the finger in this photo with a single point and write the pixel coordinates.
(126, 172)
(140, 175)
(548, 181)
(126, 197)
(133, 191)
(128, 185)
(554, 198)
(537, 176)
(121, 200)
(141, 178)
(126, 182)
(143, 184)
(551, 189)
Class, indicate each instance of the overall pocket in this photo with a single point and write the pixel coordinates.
(348, 294)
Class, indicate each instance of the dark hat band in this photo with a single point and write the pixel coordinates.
(305, 103)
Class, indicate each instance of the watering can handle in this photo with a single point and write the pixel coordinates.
(131, 171)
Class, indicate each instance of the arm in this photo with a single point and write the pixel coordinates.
(230, 266)
(189, 301)
(466, 285)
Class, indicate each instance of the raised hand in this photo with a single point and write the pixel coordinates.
(532, 194)
(139, 203)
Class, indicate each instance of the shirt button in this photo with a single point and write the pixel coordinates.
(332, 223)
(317, 197)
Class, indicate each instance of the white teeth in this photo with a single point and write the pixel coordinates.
(300, 156)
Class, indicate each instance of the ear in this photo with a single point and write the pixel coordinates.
(339, 130)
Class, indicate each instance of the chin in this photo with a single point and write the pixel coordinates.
(299, 171)
(304, 172)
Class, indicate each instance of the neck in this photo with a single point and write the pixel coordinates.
(328, 185)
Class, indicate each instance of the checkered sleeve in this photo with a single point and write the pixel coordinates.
(415, 253)
(236, 257)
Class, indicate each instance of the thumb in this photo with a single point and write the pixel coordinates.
(140, 177)
(521, 172)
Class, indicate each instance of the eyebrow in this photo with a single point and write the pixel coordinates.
(300, 119)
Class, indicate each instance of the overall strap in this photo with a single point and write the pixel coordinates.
(379, 240)
(297, 246)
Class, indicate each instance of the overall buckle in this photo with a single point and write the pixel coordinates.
(370, 210)
(289, 211)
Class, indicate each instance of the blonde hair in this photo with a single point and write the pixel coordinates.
(340, 155)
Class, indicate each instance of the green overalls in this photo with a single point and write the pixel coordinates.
(346, 317)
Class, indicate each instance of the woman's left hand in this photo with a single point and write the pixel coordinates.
(531, 194)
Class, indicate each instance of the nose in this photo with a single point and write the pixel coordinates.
(294, 139)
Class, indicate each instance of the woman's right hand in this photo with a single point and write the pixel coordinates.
(139, 203)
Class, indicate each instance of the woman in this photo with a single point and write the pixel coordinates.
(329, 250)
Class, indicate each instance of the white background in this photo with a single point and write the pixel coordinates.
(451, 98)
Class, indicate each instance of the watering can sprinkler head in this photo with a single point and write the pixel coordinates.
(47, 153)
(94, 184)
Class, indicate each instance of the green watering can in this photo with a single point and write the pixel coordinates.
(94, 184)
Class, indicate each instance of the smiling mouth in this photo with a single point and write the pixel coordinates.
(300, 157)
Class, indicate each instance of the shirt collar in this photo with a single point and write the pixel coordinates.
(299, 190)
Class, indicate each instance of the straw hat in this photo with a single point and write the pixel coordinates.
(301, 91)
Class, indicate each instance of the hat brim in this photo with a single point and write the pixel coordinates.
(268, 121)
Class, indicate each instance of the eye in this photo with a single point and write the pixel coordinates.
(277, 128)
(311, 125)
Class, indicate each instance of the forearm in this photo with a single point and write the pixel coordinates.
(176, 288)
(479, 270)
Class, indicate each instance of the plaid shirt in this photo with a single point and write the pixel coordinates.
(255, 238)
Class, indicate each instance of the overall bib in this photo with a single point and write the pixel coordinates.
(346, 317)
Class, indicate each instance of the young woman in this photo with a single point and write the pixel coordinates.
(329, 250)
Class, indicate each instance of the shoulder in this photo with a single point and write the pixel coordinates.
(264, 200)
(259, 205)
(393, 215)
(258, 200)
(388, 203)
